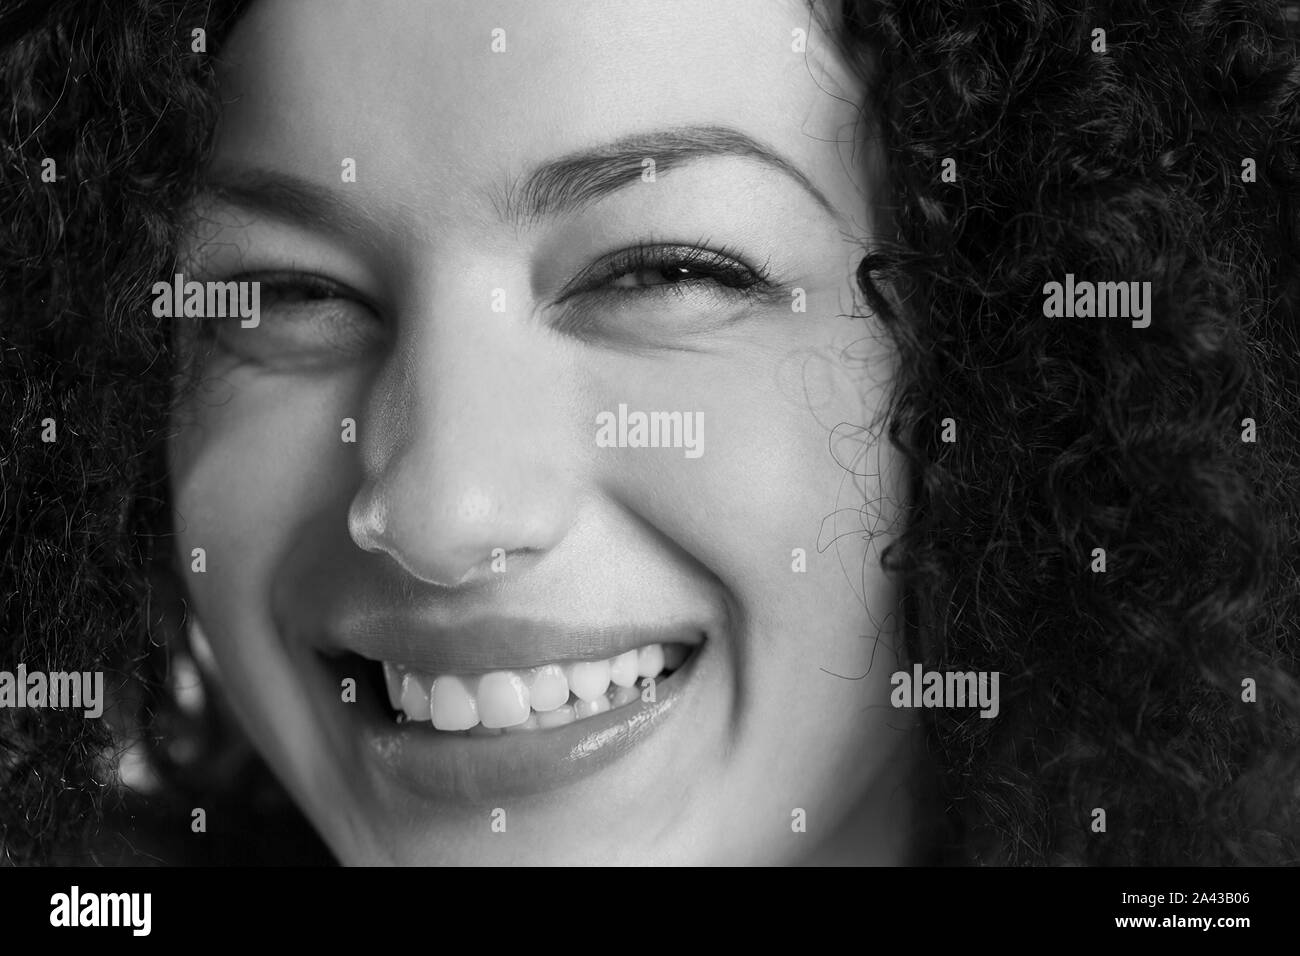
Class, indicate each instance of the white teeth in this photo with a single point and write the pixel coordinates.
(556, 718)
(549, 695)
(590, 708)
(649, 660)
(502, 699)
(548, 688)
(452, 704)
(588, 679)
(625, 695)
(532, 723)
(622, 669)
(393, 681)
(415, 696)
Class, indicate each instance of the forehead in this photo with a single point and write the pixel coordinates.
(449, 101)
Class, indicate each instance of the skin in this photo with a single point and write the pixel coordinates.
(475, 428)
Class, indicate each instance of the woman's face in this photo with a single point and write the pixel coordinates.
(491, 239)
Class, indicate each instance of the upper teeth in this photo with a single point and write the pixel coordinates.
(536, 697)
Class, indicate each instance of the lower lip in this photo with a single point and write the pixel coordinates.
(466, 769)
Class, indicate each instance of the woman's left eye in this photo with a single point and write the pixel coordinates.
(669, 270)
(668, 274)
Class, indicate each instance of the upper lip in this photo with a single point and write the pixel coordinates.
(489, 643)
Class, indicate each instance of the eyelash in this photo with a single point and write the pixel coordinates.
(722, 266)
(313, 287)
(300, 291)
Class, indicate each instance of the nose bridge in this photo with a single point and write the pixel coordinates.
(461, 448)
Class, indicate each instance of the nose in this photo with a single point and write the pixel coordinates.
(463, 451)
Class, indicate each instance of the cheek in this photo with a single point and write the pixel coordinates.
(825, 632)
(789, 505)
(253, 460)
(808, 542)
(789, 508)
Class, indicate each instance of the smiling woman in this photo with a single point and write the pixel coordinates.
(648, 441)
(643, 255)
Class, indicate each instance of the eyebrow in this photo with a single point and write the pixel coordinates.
(573, 181)
(292, 198)
(560, 186)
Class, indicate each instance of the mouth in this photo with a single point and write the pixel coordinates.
(471, 735)
(536, 698)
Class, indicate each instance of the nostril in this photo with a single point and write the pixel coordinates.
(366, 521)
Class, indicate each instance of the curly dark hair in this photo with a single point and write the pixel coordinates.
(1123, 690)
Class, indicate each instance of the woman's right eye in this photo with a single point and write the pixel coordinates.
(301, 320)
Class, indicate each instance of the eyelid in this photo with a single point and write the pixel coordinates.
(323, 322)
(643, 255)
(309, 281)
